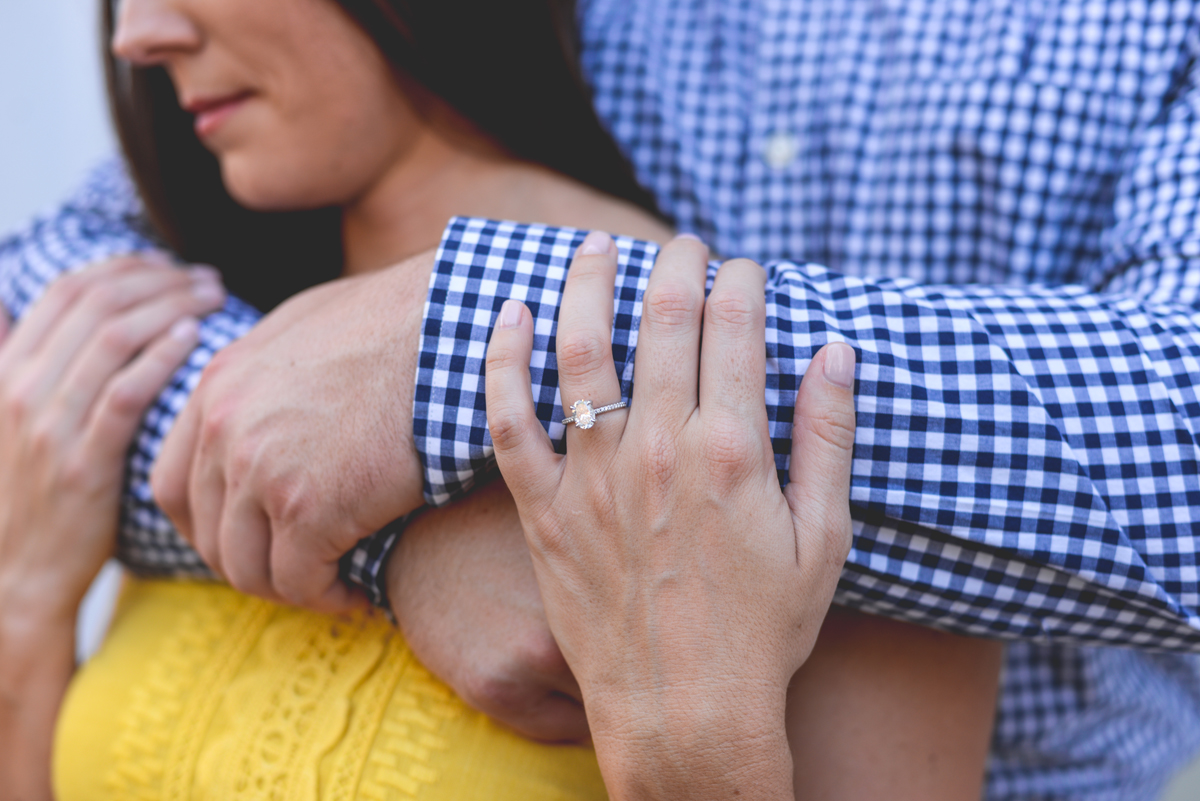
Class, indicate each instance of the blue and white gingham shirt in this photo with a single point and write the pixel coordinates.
(996, 203)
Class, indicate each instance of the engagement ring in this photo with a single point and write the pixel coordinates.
(585, 416)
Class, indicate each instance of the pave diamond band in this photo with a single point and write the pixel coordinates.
(585, 416)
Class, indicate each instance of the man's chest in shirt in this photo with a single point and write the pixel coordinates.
(948, 142)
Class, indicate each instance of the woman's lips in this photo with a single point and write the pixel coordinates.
(211, 114)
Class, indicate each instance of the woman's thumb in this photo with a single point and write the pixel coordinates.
(818, 489)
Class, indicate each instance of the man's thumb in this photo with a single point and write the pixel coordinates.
(818, 489)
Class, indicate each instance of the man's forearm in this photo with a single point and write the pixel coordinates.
(103, 219)
(996, 430)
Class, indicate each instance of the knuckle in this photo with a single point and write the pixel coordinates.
(508, 429)
(500, 357)
(582, 352)
(832, 425)
(103, 298)
(547, 536)
(116, 338)
(79, 474)
(44, 439)
(242, 459)
(733, 308)
(68, 288)
(18, 400)
(287, 503)
(216, 424)
(212, 429)
(122, 400)
(659, 457)
(670, 305)
(731, 455)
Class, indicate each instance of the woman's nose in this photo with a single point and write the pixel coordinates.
(147, 32)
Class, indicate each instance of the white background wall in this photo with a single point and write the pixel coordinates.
(53, 126)
(53, 122)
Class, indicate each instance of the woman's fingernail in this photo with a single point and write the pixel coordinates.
(689, 236)
(208, 292)
(597, 242)
(510, 314)
(839, 365)
(157, 257)
(205, 272)
(186, 330)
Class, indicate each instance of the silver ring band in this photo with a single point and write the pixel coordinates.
(585, 415)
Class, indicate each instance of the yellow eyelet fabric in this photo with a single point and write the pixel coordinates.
(202, 693)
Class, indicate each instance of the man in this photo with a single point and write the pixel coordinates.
(1025, 465)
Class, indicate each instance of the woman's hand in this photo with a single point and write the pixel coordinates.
(75, 378)
(76, 375)
(683, 586)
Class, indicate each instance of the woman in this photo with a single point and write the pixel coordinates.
(380, 111)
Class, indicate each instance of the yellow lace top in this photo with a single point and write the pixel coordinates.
(200, 692)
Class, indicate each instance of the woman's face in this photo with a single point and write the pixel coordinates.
(292, 96)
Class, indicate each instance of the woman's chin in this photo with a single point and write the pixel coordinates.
(271, 192)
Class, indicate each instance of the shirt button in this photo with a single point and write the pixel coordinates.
(780, 150)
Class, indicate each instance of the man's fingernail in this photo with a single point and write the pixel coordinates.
(510, 314)
(186, 330)
(597, 242)
(839, 365)
(689, 236)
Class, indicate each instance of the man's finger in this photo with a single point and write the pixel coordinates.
(171, 474)
(245, 546)
(303, 579)
(522, 447)
(818, 490)
(206, 501)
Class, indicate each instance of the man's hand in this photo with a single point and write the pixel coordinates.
(463, 589)
(298, 441)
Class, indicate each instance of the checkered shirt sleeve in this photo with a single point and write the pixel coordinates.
(1024, 465)
(102, 219)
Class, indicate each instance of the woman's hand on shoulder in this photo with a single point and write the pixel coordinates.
(76, 375)
(683, 586)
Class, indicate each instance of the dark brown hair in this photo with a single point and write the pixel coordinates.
(508, 66)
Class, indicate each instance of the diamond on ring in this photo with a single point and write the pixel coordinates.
(584, 416)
